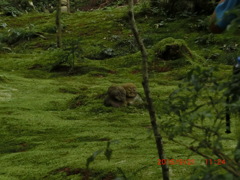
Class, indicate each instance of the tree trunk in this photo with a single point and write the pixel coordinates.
(68, 6)
(58, 24)
(145, 83)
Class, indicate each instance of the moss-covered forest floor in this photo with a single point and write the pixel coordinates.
(53, 118)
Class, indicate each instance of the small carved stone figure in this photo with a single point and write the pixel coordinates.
(132, 96)
(131, 90)
(118, 96)
(137, 100)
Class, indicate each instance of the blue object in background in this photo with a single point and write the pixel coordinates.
(223, 18)
(236, 68)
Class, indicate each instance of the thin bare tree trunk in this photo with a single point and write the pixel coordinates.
(58, 24)
(145, 83)
(68, 6)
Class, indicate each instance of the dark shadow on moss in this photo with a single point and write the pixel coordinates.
(91, 139)
(69, 90)
(85, 174)
(81, 70)
(65, 70)
(3, 79)
(36, 66)
(15, 146)
(78, 101)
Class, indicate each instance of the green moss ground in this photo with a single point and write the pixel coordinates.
(51, 122)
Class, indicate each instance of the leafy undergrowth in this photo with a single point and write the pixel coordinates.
(52, 120)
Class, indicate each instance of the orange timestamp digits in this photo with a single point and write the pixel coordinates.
(176, 161)
(215, 161)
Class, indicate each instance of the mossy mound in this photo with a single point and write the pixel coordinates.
(175, 50)
(3, 79)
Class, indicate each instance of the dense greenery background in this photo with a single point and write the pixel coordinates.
(52, 118)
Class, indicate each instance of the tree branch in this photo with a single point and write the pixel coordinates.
(145, 83)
